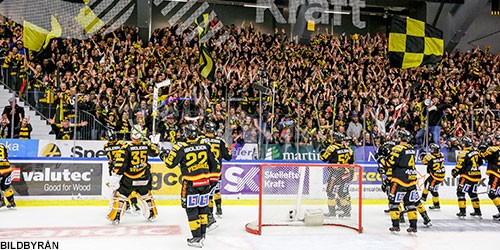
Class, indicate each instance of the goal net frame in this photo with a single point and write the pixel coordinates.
(256, 226)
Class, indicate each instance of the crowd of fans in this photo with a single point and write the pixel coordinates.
(335, 83)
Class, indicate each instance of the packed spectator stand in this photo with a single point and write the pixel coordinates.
(337, 82)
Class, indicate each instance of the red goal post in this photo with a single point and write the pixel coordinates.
(296, 194)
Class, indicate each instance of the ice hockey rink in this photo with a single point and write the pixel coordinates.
(85, 227)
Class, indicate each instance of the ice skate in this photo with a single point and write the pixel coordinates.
(427, 223)
(11, 205)
(195, 242)
(411, 230)
(152, 216)
(212, 223)
(394, 230)
(496, 216)
(435, 207)
(219, 211)
(330, 214)
(477, 215)
(345, 215)
(461, 215)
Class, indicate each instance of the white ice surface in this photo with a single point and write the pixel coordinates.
(447, 232)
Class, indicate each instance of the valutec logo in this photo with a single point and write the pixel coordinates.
(50, 175)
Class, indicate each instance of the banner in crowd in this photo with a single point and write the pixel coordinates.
(21, 148)
(310, 153)
(249, 151)
(55, 179)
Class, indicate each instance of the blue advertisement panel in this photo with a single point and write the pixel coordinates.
(21, 148)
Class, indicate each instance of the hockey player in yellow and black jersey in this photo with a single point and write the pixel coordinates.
(113, 149)
(197, 164)
(221, 151)
(436, 171)
(339, 178)
(402, 177)
(5, 179)
(133, 174)
(492, 155)
(467, 166)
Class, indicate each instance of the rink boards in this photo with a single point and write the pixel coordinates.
(38, 181)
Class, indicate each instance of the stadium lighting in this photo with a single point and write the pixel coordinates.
(337, 12)
(256, 6)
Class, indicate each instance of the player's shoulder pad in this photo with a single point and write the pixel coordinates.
(178, 145)
(398, 148)
(493, 149)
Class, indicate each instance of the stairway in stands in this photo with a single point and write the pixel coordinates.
(40, 127)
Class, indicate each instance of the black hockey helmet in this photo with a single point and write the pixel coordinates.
(434, 148)
(466, 141)
(386, 148)
(210, 127)
(404, 135)
(110, 134)
(191, 131)
(338, 137)
(325, 143)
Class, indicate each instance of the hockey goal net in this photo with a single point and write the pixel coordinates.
(309, 194)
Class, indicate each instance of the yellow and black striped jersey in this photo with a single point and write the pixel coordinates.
(195, 159)
(492, 155)
(4, 160)
(169, 132)
(337, 154)
(435, 165)
(468, 163)
(25, 132)
(400, 165)
(133, 162)
(114, 151)
(220, 150)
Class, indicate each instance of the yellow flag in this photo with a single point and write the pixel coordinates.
(36, 37)
(55, 32)
(89, 21)
(310, 25)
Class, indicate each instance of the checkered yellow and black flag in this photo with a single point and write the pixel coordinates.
(414, 43)
(207, 67)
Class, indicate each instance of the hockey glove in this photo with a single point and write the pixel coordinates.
(114, 181)
(422, 156)
(385, 184)
(454, 173)
(381, 170)
(155, 139)
(163, 155)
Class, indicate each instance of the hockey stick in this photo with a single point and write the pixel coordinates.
(397, 113)
(155, 100)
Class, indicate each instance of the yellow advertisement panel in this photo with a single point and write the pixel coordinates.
(165, 181)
